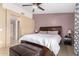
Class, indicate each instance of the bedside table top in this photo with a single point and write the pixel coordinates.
(66, 38)
(67, 41)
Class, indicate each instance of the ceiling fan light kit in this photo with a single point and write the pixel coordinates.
(35, 6)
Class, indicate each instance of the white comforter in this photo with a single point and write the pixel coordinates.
(49, 41)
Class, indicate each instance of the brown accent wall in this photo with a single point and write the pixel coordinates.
(66, 20)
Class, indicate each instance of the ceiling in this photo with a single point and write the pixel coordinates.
(51, 8)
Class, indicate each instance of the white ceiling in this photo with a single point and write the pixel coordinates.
(51, 8)
(28, 8)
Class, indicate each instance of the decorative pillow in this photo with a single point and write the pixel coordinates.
(53, 32)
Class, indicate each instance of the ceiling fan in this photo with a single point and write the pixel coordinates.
(35, 5)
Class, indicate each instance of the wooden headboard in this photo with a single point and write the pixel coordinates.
(52, 28)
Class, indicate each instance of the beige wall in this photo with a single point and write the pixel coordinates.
(26, 26)
(2, 27)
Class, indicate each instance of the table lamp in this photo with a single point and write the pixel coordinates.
(69, 33)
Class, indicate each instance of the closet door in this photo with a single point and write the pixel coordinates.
(12, 28)
(2, 27)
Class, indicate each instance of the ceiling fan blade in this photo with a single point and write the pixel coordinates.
(37, 3)
(33, 10)
(40, 8)
(26, 5)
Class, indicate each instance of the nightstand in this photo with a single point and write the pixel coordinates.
(68, 40)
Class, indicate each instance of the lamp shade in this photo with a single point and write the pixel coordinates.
(69, 32)
(36, 30)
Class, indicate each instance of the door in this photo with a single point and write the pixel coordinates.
(12, 28)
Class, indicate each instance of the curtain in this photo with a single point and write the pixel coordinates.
(76, 28)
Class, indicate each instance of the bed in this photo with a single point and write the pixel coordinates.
(51, 40)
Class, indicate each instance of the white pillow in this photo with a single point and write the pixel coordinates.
(53, 32)
(43, 32)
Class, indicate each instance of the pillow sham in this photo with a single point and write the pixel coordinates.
(43, 32)
(53, 32)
